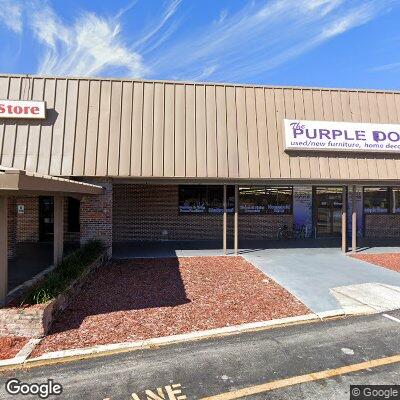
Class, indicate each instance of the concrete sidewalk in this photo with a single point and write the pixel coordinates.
(312, 274)
(309, 269)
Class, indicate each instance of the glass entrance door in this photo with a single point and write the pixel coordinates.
(328, 211)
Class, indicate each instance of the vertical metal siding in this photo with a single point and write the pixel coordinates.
(280, 115)
(148, 131)
(23, 130)
(190, 132)
(92, 128)
(252, 134)
(200, 130)
(272, 132)
(10, 130)
(137, 129)
(262, 133)
(243, 141)
(46, 132)
(396, 118)
(158, 145)
(169, 133)
(222, 142)
(165, 129)
(290, 113)
(58, 129)
(180, 140)
(115, 129)
(81, 128)
(231, 124)
(304, 162)
(211, 129)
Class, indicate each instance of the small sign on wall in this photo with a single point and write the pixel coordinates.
(21, 209)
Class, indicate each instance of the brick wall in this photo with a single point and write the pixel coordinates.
(382, 226)
(28, 223)
(150, 212)
(12, 227)
(97, 215)
(69, 236)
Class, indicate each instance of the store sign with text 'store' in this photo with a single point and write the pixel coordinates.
(341, 136)
(22, 109)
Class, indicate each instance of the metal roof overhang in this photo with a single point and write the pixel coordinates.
(260, 181)
(19, 182)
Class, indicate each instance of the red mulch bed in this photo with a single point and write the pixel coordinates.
(10, 346)
(140, 299)
(386, 260)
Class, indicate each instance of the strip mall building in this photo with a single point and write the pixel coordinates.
(300, 162)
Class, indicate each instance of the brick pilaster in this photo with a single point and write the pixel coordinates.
(97, 215)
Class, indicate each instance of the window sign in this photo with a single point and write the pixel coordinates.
(376, 200)
(279, 200)
(192, 199)
(302, 209)
(205, 199)
(215, 201)
(341, 136)
(252, 200)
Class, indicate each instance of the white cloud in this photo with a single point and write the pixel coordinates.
(258, 38)
(222, 16)
(385, 67)
(205, 73)
(89, 46)
(11, 15)
(235, 45)
(146, 38)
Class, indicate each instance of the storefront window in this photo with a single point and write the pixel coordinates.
(279, 200)
(252, 200)
(215, 199)
(230, 199)
(376, 200)
(396, 200)
(193, 199)
(205, 198)
(73, 215)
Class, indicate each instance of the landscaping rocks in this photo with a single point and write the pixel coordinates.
(146, 298)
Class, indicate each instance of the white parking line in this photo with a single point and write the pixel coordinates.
(391, 317)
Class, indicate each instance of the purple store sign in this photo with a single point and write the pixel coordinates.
(341, 136)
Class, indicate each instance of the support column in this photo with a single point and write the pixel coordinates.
(353, 220)
(3, 250)
(224, 220)
(58, 229)
(236, 222)
(344, 220)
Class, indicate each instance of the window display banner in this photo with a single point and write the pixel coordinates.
(302, 209)
(341, 136)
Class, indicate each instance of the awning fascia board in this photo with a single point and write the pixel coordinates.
(18, 182)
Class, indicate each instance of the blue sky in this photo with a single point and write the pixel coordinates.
(329, 43)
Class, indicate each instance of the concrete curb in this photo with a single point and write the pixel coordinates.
(22, 361)
(22, 355)
(109, 349)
